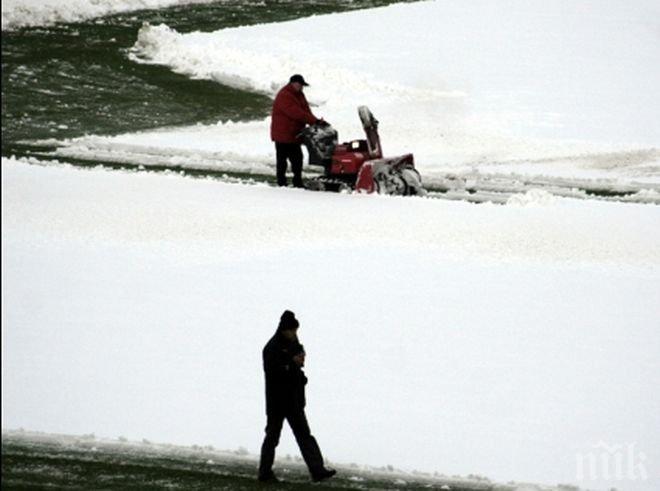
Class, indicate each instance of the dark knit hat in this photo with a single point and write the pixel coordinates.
(288, 321)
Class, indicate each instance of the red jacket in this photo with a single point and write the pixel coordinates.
(290, 115)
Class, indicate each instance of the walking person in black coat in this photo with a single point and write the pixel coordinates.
(284, 358)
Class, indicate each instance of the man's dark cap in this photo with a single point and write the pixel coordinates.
(288, 321)
(298, 78)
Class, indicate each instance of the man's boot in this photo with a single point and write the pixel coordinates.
(268, 477)
(323, 474)
(297, 182)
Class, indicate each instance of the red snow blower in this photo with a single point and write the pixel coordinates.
(359, 164)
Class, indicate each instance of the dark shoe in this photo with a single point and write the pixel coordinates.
(323, 475)
(268, 477)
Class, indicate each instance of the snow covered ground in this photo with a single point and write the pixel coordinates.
(89, 462)
(504, 341)
(22, 13)
(562, 89)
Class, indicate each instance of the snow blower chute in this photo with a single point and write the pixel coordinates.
(359, 164)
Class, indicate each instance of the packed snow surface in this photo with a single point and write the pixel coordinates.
(502, 341)
(562, 89)
(23, 13)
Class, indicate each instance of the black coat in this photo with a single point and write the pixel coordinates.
(285, 380)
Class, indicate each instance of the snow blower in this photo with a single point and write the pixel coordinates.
(359, 164)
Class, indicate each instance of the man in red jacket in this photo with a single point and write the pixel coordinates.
(290, 115)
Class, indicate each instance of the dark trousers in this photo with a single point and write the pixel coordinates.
(293, 153)
(308, 447)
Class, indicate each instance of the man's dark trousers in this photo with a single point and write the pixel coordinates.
(293, 153)
(308, 447)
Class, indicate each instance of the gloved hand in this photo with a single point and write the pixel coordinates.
(299, 359)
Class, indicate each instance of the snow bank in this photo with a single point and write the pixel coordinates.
(223, 56)
(362, 220)
(495, 340)
(25, 13)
